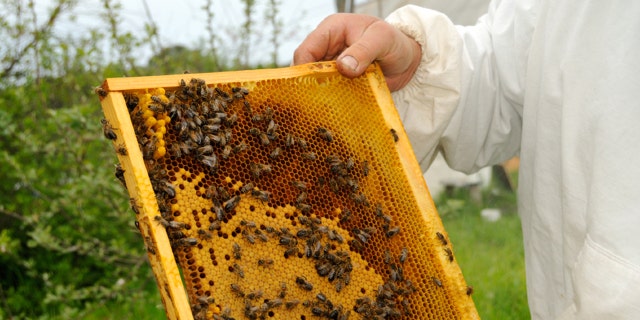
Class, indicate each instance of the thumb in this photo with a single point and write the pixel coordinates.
(374, 43)
(354, 60)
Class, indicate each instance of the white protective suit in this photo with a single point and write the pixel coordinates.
(557, 83)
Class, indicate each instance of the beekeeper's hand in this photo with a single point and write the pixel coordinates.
(355, 41)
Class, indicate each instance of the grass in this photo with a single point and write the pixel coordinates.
(490, 254)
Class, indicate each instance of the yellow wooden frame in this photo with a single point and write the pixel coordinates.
(160, 253)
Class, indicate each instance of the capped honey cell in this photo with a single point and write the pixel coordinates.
(281, 194)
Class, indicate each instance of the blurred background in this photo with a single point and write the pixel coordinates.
(68, 245)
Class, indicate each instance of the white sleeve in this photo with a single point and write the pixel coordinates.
(466, 97)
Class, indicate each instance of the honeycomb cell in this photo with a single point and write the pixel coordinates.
(296, 185)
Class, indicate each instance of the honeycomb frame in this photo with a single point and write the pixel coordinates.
(425, 233)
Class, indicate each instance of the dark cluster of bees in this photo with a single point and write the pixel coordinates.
(203, 120)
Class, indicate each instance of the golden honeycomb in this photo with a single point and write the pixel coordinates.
(287, 193)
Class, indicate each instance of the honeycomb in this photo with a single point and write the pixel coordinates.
(288, 193)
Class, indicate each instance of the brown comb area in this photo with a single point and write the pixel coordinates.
(283, 199)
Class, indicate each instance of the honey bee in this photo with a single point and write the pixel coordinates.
(226, 152)
(231, 204)
(436, 281)
(237, 290)
(264, 139)
(319, 312)
(254, 295)
(309, 156)
(240, 147)
(108, 130)
(205, 234)
(248, 224)
(301, 197)
(175, 151)
(225, 315)
(271, 129)
(442, 238)
(121, 150)
(304, 284)
(288, 240)
(349, 164)
(232, 119)
(325, 134)
(265, 262)
(134, 205)
(291, 251)
(361, 235)
(268, 114)
(100, 92)
(206, 300)
(346, 215)
(211, 193)
(258, 169)
(393, 231)
(365, 168)
(261, 195)
(249, 237)
(283, 290)
(214, 225)
(175, 225)
(403, 255)
(247, 187)
(289, 140)
(291, 304)
(394, 134)
(360, 199)
(299, 185)
(239, 92)
(206, 150)
(210, 128)
(151, 248)
(333, 235)
(210, 161)
(238, 270)
(302, 143)
(356, 245)
(185, 242)
(223, 193)
(469, 290)
(303, 207)
(387, 257)
(275, 153)
(256, 117)
(449, 254)
(320, 296)
(196, 136)
(263, 237)
(274, 303)
(247, 107)
(167, 188)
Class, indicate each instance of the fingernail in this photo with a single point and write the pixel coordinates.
(349, 62)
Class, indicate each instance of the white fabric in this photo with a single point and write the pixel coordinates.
(557, 83)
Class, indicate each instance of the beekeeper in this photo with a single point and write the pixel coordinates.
(554, 82)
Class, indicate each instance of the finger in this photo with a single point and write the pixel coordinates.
(330, 37)
(376, 42)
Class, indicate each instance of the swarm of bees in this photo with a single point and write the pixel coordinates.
(203, 130)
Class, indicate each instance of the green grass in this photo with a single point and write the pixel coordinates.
(490, 254)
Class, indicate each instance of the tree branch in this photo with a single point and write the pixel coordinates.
(46, 27)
